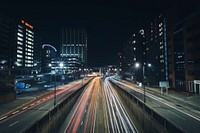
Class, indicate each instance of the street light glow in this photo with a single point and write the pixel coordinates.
(149, 65)
(137, 65)
(61, 64)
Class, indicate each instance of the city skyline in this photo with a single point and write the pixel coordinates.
(100, 66)
(108, 24)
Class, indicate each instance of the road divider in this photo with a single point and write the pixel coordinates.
(52, 120)
(150, 120)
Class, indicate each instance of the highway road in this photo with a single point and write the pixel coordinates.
(118, 119)
(18, 120)
(83, 118)
(168, 109)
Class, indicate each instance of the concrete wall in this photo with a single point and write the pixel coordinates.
(53, 120)
(148, 119)
(56, 121)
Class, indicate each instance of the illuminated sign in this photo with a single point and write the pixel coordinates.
(27, 24)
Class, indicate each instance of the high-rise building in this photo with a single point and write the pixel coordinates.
(184, 49)
(20, 47)
(24, 50)
(6, 40)
(156, 49)
(134, 52)
(49, 53)
(74, 44)
(37, 56)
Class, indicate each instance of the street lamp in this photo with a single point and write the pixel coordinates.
(61, 64)
(50, 65)
(81, 70)
(137, 65)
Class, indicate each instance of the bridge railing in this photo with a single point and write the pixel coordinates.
(44, 119)
(166, 123)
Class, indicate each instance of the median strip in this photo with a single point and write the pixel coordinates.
(3, 118)
(15, 112)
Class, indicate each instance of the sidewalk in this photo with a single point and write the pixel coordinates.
(26, 98)
(184, 98)
(187, 97)
(21, 100)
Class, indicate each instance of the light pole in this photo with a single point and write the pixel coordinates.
(50, 65)
(55, 91)
(137, 65)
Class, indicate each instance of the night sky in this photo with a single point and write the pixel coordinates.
(108, 23)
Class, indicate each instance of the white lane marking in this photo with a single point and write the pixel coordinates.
(13, 124)
(156, 98)
(122, 114)
(176, 115)
(15, 112)
(3, 118)
(25, 108)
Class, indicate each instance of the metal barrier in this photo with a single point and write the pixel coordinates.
(40, 122)
(167, 124)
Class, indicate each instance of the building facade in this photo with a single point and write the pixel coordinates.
(134, 52)
(184, 49)
(6, 41)
(156, 50)
(20, 48)
(49, 53)
(24, 48)
(74, 44)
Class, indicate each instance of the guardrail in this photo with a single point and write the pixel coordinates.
(40, 122)
(168, 125)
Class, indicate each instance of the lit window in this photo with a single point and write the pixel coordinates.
(19, 60)
(19, 30)
(19, 34)
(19, 56)
(20, 39)
(20, 26)
(19, 51)
(19, 47)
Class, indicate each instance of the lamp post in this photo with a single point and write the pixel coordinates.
(55, 92)
(83, 76)
(137, 65)
(54, 103)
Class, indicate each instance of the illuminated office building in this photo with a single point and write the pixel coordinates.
(74, 45)
(24, 47)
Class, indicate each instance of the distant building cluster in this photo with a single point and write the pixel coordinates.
(23, 52)
(170, 42)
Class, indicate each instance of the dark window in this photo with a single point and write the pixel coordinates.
(193, 38)
(193, 27)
